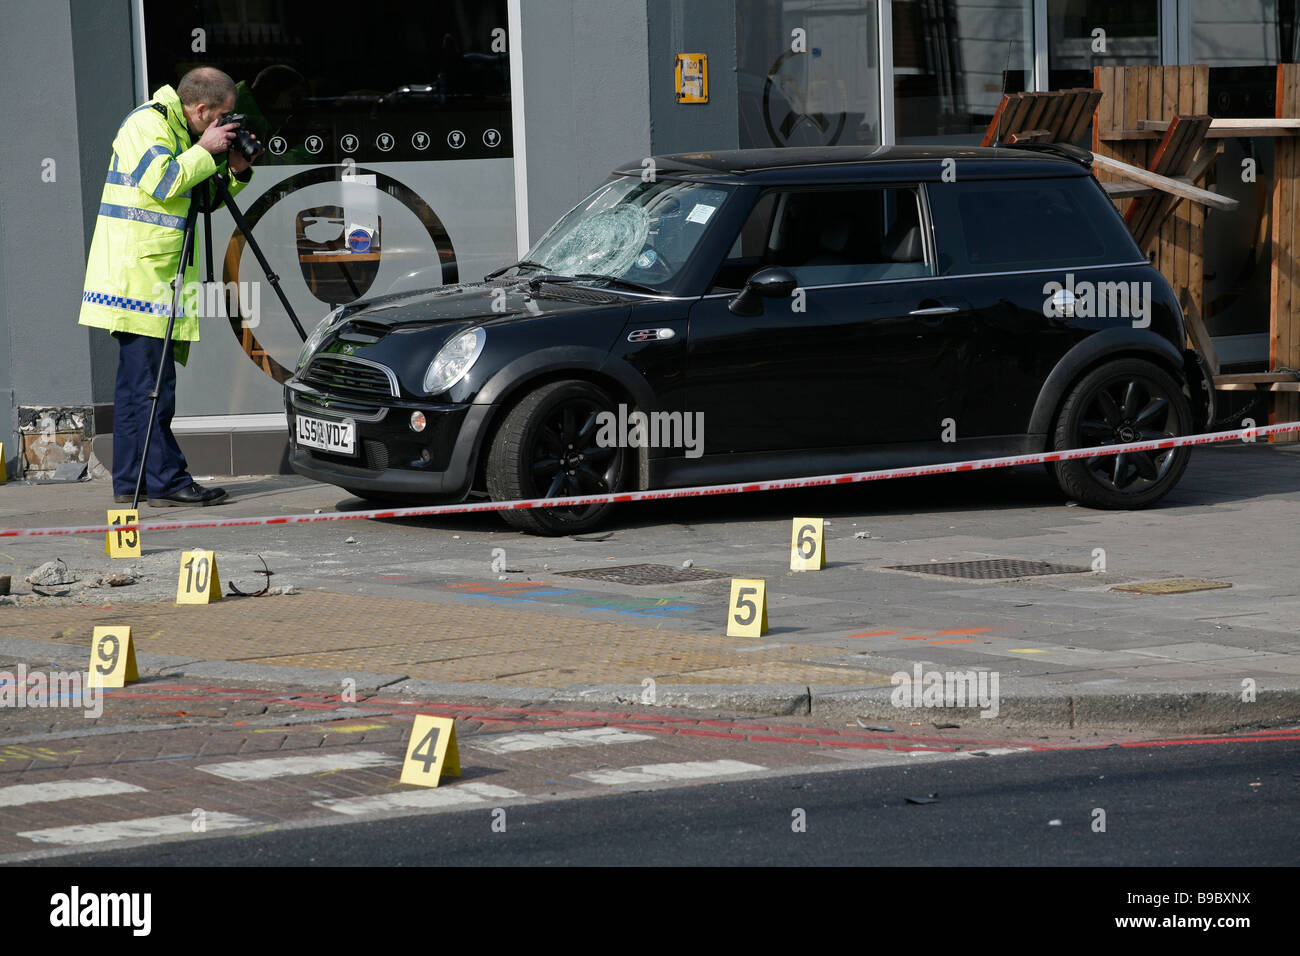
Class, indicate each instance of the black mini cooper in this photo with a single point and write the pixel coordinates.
(760, 314)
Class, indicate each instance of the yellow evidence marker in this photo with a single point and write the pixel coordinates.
(112, 657)
(431, 752)
(747, 610)
(199, 583)
(119, 543)
(807, 545)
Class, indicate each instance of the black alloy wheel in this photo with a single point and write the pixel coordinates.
(547, 447)
(1124, 401)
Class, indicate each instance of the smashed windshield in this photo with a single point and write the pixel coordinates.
(628, 229)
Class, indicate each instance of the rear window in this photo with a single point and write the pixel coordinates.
(1008, 226)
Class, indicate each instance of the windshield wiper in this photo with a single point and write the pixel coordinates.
(625, 283)
(521, 264)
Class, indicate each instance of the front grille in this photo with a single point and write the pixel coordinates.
(376, 454)
(340, 375)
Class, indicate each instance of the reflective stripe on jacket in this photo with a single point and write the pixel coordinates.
(141, 224)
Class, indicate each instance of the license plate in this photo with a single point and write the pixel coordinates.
(338, 437)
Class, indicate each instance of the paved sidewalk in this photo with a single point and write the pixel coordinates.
(464, 608)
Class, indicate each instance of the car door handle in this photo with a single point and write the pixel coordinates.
(936, 310)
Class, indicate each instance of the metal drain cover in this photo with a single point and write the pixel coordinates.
(990, 570)
(642, 574)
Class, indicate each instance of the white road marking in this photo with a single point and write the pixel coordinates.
(63, 790)
(659, 772)
(145, 827)
(245, 770)
(419, 799)
(546, 740)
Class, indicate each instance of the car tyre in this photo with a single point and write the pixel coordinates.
(1125, 400)
(546, 447)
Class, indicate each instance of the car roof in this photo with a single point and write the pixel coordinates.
(831, 164)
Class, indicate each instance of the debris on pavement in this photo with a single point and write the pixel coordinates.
(265, 587)
(932, 798)
(939, 726)
(880, 727)
(116, 580)
(862, 534)
(51, 573)
(349, 540)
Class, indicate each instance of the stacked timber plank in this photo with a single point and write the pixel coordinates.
(1061, 116)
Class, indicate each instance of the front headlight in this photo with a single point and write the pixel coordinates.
(453, 360)
(317, 337)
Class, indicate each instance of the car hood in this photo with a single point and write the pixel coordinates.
(486, 303)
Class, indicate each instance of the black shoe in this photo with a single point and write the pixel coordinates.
(123, 499)
(193, 496)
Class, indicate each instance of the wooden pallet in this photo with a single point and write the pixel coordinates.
(1177, 154)
(1061, 116)
(1279, 381)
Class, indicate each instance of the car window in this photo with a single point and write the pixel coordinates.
(829, 237)
(632, 229)
(1003, 226)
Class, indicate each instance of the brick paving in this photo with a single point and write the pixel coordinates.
(448, 642)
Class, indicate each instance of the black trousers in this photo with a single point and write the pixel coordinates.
(166, 472)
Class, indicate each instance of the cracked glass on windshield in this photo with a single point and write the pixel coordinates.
(628, 229)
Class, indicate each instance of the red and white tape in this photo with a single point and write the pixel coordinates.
(849, 478)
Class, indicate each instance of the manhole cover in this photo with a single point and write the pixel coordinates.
(989, 570)
(1180, 586)
(641, 574)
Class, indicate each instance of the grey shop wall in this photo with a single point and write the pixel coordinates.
(679, 26)
(43, 238)
(105, 90)
(585, 79)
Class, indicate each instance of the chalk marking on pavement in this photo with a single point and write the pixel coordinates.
(550, 739)
(145, 827)
(660, 772)
(64, 790)
(697, 491)
(246, 770)
(419, 799)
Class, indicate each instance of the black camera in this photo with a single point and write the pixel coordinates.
(244, 141)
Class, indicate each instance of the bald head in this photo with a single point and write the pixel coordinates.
(205, 85)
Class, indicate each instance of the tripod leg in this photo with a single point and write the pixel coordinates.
(178, 284)
(242, 225)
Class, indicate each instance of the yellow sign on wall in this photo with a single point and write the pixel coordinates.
(692, 72)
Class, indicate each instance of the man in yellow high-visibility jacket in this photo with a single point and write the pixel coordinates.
(164, 150)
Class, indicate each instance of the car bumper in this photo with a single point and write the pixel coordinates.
(391, 458)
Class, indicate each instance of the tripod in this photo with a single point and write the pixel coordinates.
(202, 201)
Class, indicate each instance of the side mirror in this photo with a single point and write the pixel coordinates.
(773, 283)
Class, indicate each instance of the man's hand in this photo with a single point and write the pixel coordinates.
(217, 139)
(236, 160)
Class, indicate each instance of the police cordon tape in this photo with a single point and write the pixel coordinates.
(699, 491)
